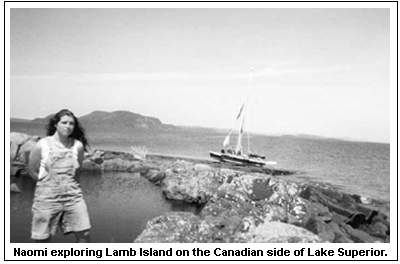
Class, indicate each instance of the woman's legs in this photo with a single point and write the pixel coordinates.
(82, 236)
(43, 240)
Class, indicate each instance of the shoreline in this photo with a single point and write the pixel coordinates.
(270, 170)
(208, 161)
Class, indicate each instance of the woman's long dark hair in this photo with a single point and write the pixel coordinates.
(78, 133)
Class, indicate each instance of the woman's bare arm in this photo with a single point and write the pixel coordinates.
(80, 158)
(34, 161)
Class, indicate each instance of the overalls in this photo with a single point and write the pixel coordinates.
(58, 196)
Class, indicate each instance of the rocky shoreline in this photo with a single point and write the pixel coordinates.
(240, 205)
(248, 204)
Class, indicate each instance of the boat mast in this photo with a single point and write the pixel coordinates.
(247, 99)
(239, 143)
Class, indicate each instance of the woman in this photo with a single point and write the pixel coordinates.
(54, 164)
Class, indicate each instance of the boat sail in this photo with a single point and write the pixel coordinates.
(237, 156)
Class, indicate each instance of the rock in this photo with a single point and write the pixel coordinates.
(20, 148)
(172, 227)
(109, 155)
(381, 221)
(202, 167)
(356, 219)
(260, 189)
(186, 184)
(299, 208)
(340, 234)
(90, 165)
(116, 164)
(14, 188)
(232, 193)
(366, 200)
(359, 236)
(225, 226)
(321, 211)
(277, 232)
(235, 207)
(370, 217)
(229, 172)
(155, 176)
(274, 213)
(97, 157)
(379, 230)
(320, 228)
(222, 227)
(181, 165)
(20, 145)
(98, 160)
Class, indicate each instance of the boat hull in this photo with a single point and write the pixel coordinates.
(235, 159)
(216, 155)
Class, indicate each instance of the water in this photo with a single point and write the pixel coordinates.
(119, 204)
(353, 167)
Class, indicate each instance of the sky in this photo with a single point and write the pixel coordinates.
(318, 71)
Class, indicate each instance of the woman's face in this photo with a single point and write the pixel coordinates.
(65, 126)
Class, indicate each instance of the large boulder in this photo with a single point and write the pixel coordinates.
(20, 147)
(172, 227)
(277, 232)
(186, 182)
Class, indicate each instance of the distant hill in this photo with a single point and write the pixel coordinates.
(124, 120)
(118, 121)
(19, 120)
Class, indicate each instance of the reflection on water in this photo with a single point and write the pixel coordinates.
(119, 204)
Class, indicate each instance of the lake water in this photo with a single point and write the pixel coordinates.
(119, 204)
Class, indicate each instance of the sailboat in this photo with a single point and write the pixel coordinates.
(237, 155)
